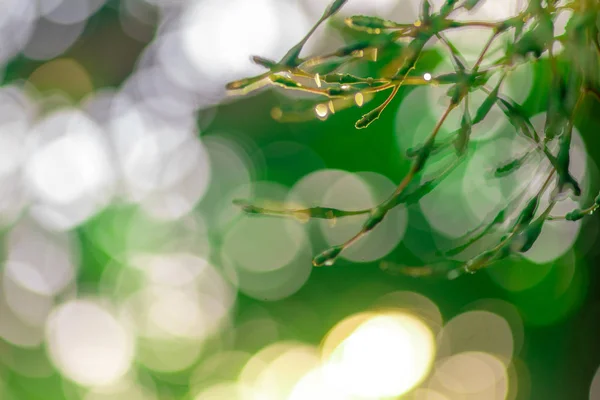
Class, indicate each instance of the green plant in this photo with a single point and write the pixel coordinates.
(575, 75)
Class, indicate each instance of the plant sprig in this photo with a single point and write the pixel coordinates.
(533, 35)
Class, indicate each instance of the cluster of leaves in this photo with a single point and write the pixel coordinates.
(532, 36)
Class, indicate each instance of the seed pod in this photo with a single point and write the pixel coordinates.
(327, 257)
(375, 219)
(368, 118)
(373, 25)
(575, 215)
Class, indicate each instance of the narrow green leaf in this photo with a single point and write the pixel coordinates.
(285, 81)
(264, 62)
(425, 10)
(461, 143)
(529, 236)
(334, 8)
(447, 7)
(527, 214)
(471, 4)
(487, 104)
(351, 48)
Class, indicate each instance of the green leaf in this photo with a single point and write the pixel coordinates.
(511, 166)
(566, 181)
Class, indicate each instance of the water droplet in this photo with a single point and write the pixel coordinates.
(331, 108)
(329, 262)
(427, 76)
(276, 113)
(322, 111)
(359, 99)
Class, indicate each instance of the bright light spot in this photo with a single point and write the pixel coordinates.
(15, 119)
(39, 261)
(258, 370)
(321, 110)
(264, 244)
(50, 39)
(428, 394)
(88, 344)
(31, 307)
(278, 379)
(414, 303)
(479, 376)
(69, 172)
(314, 386)
(427, 76)
(122, 390)
(164, 164)
(359, 99)
(386, 355)
(478, 331)
(16, 26)
(229, 391)
(69, 11)
(17, 332)
(243, 28)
